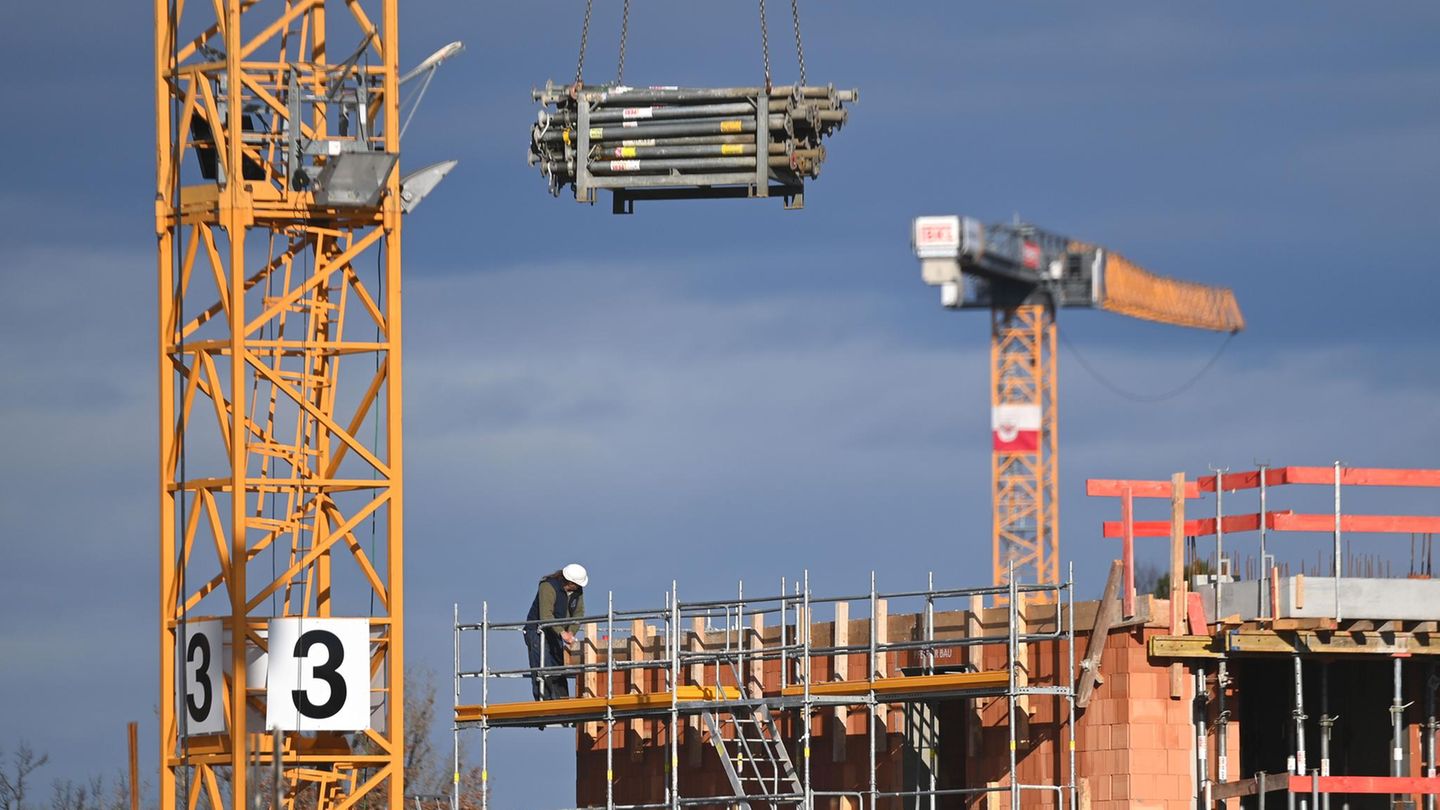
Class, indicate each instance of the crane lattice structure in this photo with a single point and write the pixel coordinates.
(1023, 274)
(277, 218)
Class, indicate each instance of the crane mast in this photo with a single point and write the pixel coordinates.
(1022, 275)
(278, 214)
(1024, 444)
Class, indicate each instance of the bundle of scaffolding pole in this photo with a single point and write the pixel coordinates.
(684, 142)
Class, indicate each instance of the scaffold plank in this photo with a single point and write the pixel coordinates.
(1280, 642)
(915, 684)
(1371, 785)
(1186, 647)
(592, 707)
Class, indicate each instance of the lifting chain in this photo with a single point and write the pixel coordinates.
(799, 48)
(624, 30)
(584, 35)
(765, 45)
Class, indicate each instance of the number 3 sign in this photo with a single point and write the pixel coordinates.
(318, 676)
(199, 648)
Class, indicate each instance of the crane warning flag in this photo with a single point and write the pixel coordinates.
(1015, 428)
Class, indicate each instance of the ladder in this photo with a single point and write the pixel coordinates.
(754, 757)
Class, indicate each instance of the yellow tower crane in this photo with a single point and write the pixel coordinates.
(278, 208)
(1022, 275)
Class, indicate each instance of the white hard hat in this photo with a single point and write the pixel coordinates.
(575, 572)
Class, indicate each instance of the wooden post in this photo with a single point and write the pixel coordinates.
(134, 734)
(1105, 617)
(1127, 548)
(975, 657)
(975, 628)
(1177, 575)
(1022, 663)
(840, 670)
(636, 678)
(756, 687)
(697, 676)
(882, 670)
(590, 681)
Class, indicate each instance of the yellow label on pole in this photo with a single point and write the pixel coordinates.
(732, 149)
(807, 752)
(484, 776)
(597, 132)
(457, 777)
(730, 126)
(610, 776)
(627, 151)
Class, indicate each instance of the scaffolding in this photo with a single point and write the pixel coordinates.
(717, 678)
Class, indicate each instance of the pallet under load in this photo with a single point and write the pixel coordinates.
(667, 143)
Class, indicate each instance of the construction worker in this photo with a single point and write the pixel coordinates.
(561, 595)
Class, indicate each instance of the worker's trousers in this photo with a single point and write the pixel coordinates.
(546, 687)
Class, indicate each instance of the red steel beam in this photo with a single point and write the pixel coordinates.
(1112, 488)
(1349, 476)
(1427, 785)
(1285, 521)
(1376, 524)
(1196, 527)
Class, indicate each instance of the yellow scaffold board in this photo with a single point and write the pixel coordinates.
(583, 706)
(915, 684)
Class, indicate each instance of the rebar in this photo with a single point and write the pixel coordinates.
(582, 137)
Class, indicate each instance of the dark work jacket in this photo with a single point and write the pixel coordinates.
(552, 602)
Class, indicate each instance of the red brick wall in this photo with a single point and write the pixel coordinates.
(1135, 743)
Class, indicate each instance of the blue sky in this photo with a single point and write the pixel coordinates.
(716, 391)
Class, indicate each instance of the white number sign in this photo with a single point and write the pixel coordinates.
(318, 677)
(200, 690)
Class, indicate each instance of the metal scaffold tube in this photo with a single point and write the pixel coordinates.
(1397, 724)
(455, 727)
(1013, 646)
(805, 707)
(672, 640)
(1430, 726)
(609, 695)
(484, 703)
(1327, 723)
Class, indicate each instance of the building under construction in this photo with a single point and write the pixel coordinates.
(1281, 687)
(278, 205)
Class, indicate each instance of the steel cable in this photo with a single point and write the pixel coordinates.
(1142, 397)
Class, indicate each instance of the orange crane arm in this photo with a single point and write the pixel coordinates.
(1129, 289)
